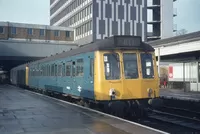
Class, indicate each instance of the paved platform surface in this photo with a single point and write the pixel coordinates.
(23, 112)
(179, 94)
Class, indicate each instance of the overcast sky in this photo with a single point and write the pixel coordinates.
(25, 11)
(37, 11)
(188, 16)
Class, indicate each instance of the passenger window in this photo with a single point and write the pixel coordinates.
(130, 66)
(68, 69)
(45, 70)
(52, 70)
(73, 68)
(63, 69)
(91, 67)
(42, 70)
(111, 66)
(48, 70)
(56, 70)
(79, 67)
(59, 70)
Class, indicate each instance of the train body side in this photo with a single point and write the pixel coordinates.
(85, 77)
(74, 75)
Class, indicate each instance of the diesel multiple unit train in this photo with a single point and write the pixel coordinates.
(118, 74)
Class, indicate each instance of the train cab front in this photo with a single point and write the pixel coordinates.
(126, 76)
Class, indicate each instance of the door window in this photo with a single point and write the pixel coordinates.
(111, 66)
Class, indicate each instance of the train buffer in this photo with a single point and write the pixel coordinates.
(25, 112)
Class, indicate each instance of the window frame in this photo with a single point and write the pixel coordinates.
(136, 56)
(13, 33)
(142, 67)
(105, 66)
(30, 31)
(3, 28)
(79, 67)
(92, 67)
(57, 31)
(68, 64)
(67, 34)
(43, 32)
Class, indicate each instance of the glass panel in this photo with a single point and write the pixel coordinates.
(130, 66)
(111, 66)
(59, 70)
(1, 30)
(52, 70)
(56, 70)
(147, 65)
(68, 69)
(79, 67)
(73, 69)
(91, 67)
(63, 69)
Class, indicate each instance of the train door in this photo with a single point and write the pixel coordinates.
(68, 81)
(74, 87)
(88, 84)
(79, 76)
(91, 76)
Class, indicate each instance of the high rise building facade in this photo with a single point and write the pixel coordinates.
(97, 19)
(160, 20)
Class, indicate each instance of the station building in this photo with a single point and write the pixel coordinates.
(35, 32)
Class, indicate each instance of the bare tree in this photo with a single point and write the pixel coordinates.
(181, 32)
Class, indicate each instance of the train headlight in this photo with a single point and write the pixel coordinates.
(112, 92)
(150, 91)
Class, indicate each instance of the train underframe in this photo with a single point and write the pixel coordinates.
(128, 109)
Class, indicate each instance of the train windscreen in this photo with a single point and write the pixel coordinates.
(130, 65)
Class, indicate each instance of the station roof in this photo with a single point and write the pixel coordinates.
(176, 39)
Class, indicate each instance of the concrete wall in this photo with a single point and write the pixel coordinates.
(31, 49)
(167, 24)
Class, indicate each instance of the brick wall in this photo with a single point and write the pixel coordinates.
(4, 36)
(22, 33)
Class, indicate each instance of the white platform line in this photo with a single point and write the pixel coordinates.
(134, 123)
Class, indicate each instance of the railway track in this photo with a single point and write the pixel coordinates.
(181, 112)
(178, 120)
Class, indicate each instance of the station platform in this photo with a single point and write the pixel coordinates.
(179, 94)
(25, 112)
